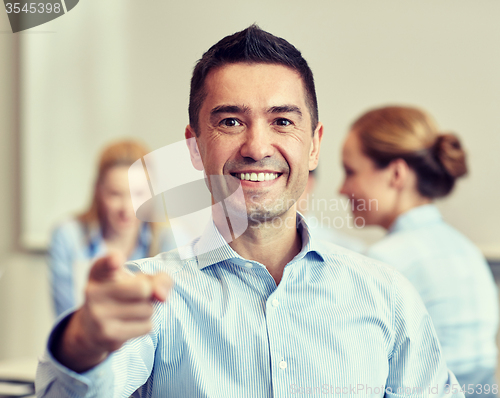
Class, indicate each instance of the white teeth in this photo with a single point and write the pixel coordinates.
(258, 177)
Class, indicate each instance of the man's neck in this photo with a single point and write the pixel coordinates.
(274, 243)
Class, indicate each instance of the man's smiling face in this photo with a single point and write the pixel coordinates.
(255, 129)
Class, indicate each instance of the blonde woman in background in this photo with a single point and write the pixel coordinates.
(109, 224)
(396, 163)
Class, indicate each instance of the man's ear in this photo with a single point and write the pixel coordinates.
(399, 173)
(315, 146)
(194, 151)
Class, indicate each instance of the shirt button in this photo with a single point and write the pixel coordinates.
(275, 303)
(282, 365)
(248, 265)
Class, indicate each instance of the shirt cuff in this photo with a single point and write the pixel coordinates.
(51, 374)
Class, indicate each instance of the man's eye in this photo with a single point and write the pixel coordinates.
(230, 122)
(283, 122)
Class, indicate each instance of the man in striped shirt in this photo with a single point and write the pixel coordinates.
(267, 311)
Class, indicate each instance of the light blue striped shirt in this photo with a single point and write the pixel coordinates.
(338, 324)
(456, 286)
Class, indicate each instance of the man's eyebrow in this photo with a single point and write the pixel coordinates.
(229, 109)
(286, 109)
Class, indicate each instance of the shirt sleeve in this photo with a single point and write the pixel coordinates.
(61, 257)
(119, 376)
(416, 366)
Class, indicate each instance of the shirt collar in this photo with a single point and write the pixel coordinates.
(416, 217)
(211, 248)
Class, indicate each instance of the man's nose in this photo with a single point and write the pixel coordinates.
(257, 142)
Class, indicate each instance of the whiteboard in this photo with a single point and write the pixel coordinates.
(120, 68)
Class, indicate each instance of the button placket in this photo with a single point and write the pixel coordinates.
(277, 323)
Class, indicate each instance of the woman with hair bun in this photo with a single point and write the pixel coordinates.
(396, 163)
(108, 224)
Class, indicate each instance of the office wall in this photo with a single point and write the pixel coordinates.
(25, 314)
(122, 68)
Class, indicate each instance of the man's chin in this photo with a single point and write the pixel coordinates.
(260, 216)
(257, 212)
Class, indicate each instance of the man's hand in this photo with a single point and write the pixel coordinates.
(118, 306)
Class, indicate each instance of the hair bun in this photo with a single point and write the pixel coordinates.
(451, 155)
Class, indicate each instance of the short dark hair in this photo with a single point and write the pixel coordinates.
(252, 45)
